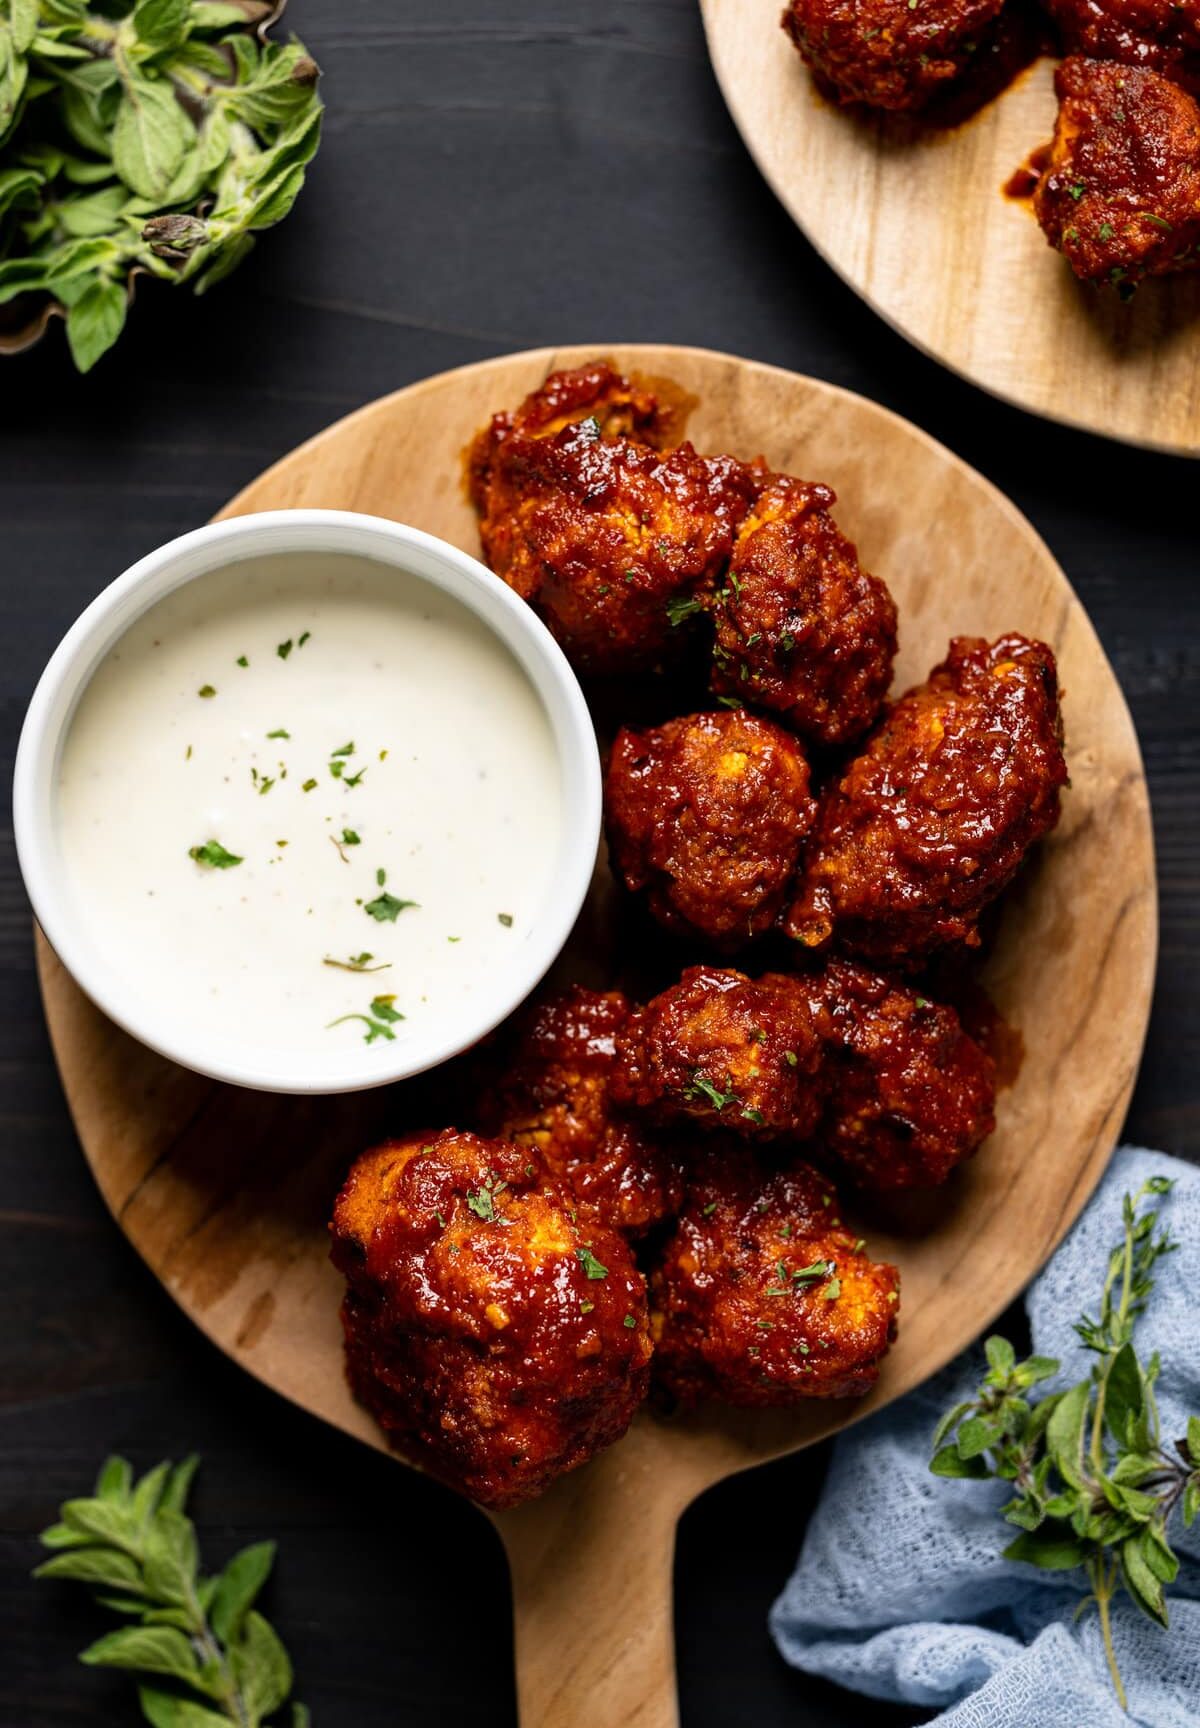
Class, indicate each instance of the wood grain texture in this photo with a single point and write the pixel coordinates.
(914, 218)
(225, 1193)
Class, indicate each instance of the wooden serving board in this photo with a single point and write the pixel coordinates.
(225, 1193)
(915, 219)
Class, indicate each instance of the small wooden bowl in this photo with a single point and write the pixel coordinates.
(226, 1193)
(915, 219)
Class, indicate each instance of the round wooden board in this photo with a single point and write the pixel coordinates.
(225, 1193)
(916, 221)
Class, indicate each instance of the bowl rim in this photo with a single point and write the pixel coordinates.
(211, 548)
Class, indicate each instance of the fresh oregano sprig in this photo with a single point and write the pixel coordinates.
(1094, 1485)
(214, 1659)
(155, 136)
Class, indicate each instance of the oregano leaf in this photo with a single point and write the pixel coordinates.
(150, 136)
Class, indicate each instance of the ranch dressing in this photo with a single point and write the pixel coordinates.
(359, 741)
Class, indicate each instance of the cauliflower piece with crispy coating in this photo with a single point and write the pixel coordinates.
(707, 814)
(910, 1093)
(612, 540)
(801, 627)
(551, 1093)
(894, 54)
(725, 1051)
(497, 1341)
(931, 820)
(1120, 195)
(762, 1296)
(1155, 35)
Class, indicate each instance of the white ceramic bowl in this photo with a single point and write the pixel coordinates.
(190, 559)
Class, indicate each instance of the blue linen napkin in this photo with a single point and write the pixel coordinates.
(900, 1591)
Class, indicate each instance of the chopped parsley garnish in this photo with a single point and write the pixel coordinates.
(265, 784)
(187, 755)
(357, 963)
(381, 1017)
(483, 1203)
(284, 649)
(923, 1002)
(1106, 230)
(710, 1209)
(352, 779)
(304, 638)
(757, 1035)
(629, 1322)
(590, 1264)
(345, 750)
(242, 660)
(206, 690)
(279, 733)
(682, 607)
(1077, 190)
(809, 1274)
(803, 1275)
(386, 908)
(585, 1307)
(755, 1116)
(791, 1058)
(702, 1087)
(214, 855)
(308, 786)
(375, 1028)
(350, 838)
(731, 701)
(832, 1290)
(380, 877)
(505, 918)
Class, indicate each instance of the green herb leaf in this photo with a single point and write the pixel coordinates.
(482, 1204)
(590, 1264)
(202, 1634)
(702, 1087)
(237, 1589)
(681, 608)
(150, 135)
(214, 855)
(386, 908)
(95, 321)
(146, 1650)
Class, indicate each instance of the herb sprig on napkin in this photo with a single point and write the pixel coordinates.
(155, 137)
(1094, 1484)
(214, 1660)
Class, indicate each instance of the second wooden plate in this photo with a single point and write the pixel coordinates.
(916, 221)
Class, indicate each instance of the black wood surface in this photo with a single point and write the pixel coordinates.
(496, 174)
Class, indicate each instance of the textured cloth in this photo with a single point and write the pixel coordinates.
(900, 1591)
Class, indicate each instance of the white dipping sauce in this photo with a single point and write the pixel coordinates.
(401, 720)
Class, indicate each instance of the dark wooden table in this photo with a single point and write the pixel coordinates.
(496, 174)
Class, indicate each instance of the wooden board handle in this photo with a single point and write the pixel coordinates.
(593, 1615)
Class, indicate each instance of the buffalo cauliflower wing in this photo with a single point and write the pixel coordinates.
(722, 1050)
(612, 540)
(551, 1093)
(910, 1093)
(931, 820)
(801, 627)
(762, 1296)
(497, 1341)
(706, 814)
(891, 53)
(1120, 194)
